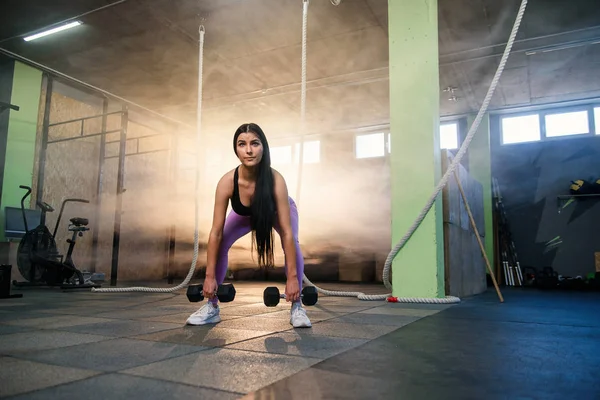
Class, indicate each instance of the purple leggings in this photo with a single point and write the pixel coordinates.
(237, 226)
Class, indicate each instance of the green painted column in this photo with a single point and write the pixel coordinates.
(418, 269)
(480, 168)
(22, 131)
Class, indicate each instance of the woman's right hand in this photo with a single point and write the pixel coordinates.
(209, 288)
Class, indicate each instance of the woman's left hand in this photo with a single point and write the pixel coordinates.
(292, 291)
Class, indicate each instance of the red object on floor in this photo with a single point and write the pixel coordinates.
(392, 299)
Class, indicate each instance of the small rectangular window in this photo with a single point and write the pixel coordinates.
(311, 153)
(281, 155)
(524, 128)
(568, 123)
(449, 136)
(597, 119)
(370, 145)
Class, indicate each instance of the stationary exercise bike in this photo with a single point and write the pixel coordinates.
(38, 259)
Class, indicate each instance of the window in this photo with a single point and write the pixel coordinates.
(597, 119)
(524, 128)
(311, 153)
(568, 123)
(370, 145)
(281, 155)
(449, 136)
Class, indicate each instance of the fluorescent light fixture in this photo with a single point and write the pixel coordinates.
(564, 46)
(53, 30)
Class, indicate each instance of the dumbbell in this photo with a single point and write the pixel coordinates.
(271, 296)
(225, 293)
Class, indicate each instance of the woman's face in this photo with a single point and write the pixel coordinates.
(249, 149)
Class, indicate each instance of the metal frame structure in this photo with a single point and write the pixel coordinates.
(170, 241)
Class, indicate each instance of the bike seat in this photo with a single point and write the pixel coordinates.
(79, 221)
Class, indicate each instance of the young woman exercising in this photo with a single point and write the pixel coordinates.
(260, 202)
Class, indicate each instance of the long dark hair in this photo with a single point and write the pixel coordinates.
(263, 203)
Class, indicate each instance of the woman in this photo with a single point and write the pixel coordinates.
(260, 202)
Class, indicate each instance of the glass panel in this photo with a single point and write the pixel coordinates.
(312, 152)
(564, 124)
(525, 128)
(281, 155)
(371, 145)
(449, 136)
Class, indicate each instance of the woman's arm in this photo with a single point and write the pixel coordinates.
(287, 236)
(223, 192)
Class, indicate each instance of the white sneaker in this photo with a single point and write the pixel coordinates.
(207, 314)
(298, 317)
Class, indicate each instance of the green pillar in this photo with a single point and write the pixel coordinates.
(480, 168)
(418, 269)
(22, 131)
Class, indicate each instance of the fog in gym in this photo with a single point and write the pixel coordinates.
(144, 54)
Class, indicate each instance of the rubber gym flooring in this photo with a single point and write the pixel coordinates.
(82, 345)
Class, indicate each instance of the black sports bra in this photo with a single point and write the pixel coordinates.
(236, 203)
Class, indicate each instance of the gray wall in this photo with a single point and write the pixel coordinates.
(531, 176)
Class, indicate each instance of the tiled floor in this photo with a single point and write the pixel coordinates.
(535, 345)
(84, 345)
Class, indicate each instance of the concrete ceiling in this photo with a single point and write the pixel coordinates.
(146, 51)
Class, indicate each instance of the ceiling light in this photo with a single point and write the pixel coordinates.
(53, 30)
(563, 46)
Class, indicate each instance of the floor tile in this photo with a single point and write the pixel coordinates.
(313, 315)
(375, 319)
(207, 369)
(8, 304)
(169, 308)
(44, 339)
(325, 385)
(134, 313)
(357, 331)
(21, 376)
(127, 387)
(180, 318)
(111, 355)
(17, 316)
(207, 335)
(340, 308)
(121, 328)
(83, 311)
(257, 323)
(403, 311)
(8, 329)
(297, 343)
(57, 321)
(253, 309)
(419, 306)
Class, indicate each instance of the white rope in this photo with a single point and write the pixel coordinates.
(438, 189)
(302, 99)
(190, 274)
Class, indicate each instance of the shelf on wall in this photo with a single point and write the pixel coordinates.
(563, 200)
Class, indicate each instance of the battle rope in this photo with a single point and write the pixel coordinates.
(440, 186)
(302, 99)
(190, 274)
